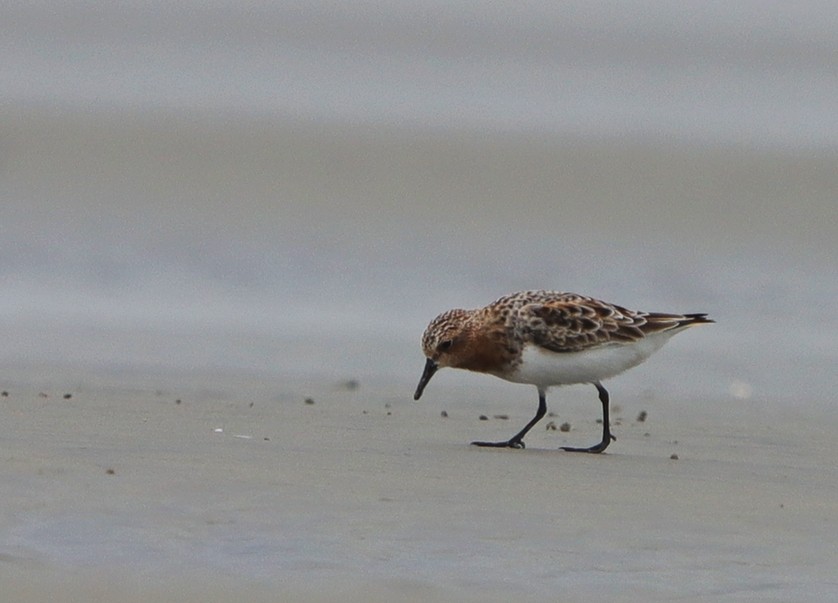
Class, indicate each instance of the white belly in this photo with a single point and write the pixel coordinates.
(544, 368)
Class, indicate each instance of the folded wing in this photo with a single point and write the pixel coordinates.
(573, 323)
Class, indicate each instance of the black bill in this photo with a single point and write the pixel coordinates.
(430, 368)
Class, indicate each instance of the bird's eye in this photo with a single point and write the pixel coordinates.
(444, 346)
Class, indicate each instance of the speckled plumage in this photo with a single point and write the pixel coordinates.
(548, 338)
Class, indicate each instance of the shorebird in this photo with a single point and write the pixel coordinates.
(548, 338)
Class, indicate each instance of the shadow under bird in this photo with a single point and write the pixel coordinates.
(548, 338)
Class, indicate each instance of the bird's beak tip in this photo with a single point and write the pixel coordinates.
(430, 368)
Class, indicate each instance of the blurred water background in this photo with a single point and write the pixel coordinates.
(290, 188)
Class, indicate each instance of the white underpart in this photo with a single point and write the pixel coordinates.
(544, 368)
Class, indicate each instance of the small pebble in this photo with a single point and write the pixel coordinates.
(551, 426)
(68, 396)
(564, 427)
(484, 418)
(444, 414)
(502, 417)
(5, 394)
(641, 416)
(309, 401)
(250, 405)
(110, 471)
(673, 456)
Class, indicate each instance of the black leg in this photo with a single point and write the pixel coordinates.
(517, 441)
(606, 428)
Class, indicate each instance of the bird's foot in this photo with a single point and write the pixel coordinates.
(513, 443)
(596, 449)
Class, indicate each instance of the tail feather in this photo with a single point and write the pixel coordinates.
(695, 319)
(659, 322)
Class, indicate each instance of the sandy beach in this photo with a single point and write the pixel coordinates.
(224, 227)
(244, 491)
(225, 488)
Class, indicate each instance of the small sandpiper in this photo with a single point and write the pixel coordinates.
(547, 338)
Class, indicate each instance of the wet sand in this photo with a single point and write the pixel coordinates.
(195, 211)
(231, 487)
